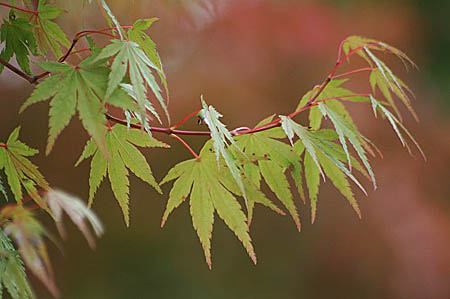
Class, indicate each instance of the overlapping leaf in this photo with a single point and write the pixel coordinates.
(137, 34)
(221, 138)
(332, 90)
(19, 40)
(130, 57)
(198, 179)
(49, 35)
(270, 159)
(382, 76)
(81, 89)
(322, 156)
(12, 271)
(123, 156)
(20, 172)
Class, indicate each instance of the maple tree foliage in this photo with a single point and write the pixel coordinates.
(225, 178)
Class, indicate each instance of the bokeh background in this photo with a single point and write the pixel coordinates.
(252, 58)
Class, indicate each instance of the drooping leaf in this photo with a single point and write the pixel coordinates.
(207, 196)
(78, 212)
(270, 159)
(221, 138)
(396, 125)
(123, 156)
(346, 130)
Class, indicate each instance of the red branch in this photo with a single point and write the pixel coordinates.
(353, 72)
(173, 131)
(34, 12)
(186, 118)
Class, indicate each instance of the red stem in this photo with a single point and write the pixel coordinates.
(86, 32)
(21, 9)
(186, 118)
(186, 145)
(354, 72)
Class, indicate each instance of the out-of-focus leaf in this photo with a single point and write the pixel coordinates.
(12, 271)
(59, 202)
(28, 234)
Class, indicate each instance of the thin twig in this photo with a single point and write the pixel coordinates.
(34, 12)
(186, 145)
(27, 77)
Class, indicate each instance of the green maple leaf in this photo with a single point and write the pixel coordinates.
(221, 138)
(346, 130)
(123, 157)
(137, 34)
(323, 157)
(382, 76)
(81, 89)
(272, 159)
(199, 180)
(130, 57)
(396, 125)
(19, 40)
(12, 272)
(20, 172)
(333, 89)
(49, 35)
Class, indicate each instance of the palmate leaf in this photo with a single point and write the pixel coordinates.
(49, 36)
(129, 56)
(333, 89)
(137, 34)
(346, 130)
(79, 89)
(221, 138)
(19, 40)
(123, 156)
(322, 156)
(270, 159)
(396, 125)
(21, 173)
(207, 196)
(12, 271)
(28, 234)
(382, 76)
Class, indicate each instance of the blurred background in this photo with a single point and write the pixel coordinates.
(252, 58)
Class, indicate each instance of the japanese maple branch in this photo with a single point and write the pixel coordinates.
(34, 12)
(27, 77)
